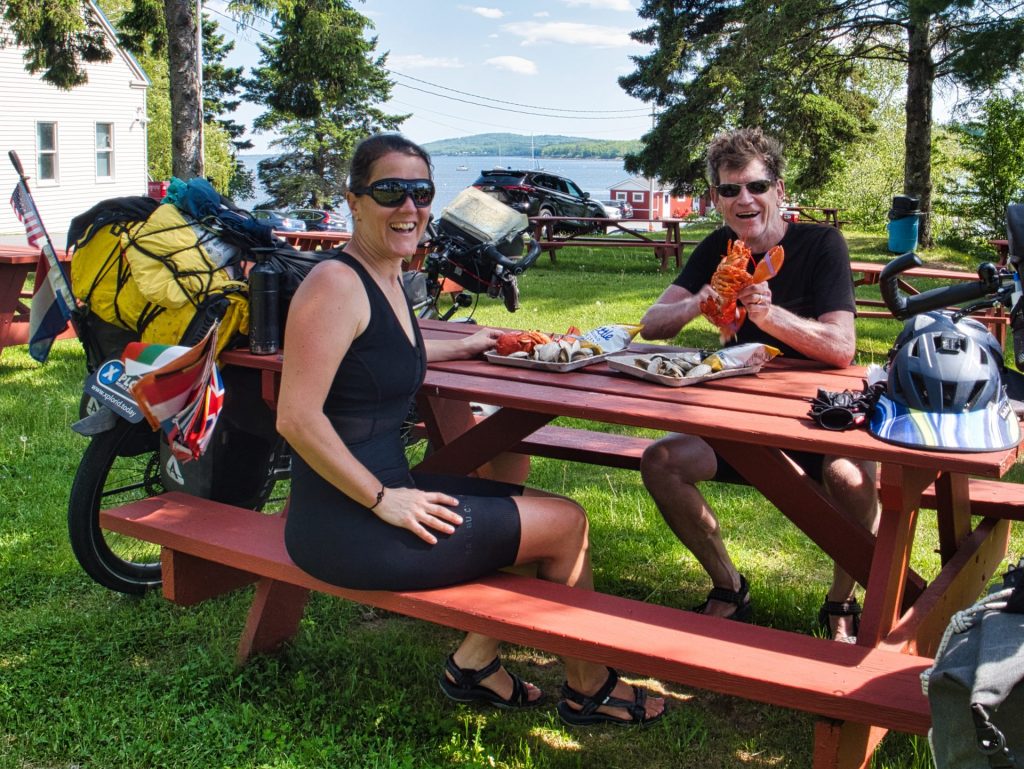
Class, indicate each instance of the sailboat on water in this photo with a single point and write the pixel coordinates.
(461, 167)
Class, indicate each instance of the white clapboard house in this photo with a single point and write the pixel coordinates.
(78, 147)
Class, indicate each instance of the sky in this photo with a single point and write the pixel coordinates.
(512, 66)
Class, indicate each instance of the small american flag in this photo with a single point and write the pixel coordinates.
(27, 215)
(52, 299)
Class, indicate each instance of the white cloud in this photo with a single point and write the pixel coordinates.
(515, 64)
(609, 5)
(418, 61)
(568, 33)
(541, 14)
(487, 13)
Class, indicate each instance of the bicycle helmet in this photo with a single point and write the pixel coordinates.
(939, 320)
(944, 391)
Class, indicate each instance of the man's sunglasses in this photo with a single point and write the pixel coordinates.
(760, 187)
(391, 193)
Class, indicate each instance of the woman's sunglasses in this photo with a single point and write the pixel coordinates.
(391, 193)
(760, 187)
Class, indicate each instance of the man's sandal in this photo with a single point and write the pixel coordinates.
(465, 686)
(587, 714)
(847, 608)
(738, 598)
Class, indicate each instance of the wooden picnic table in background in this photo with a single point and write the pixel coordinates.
(312, 240)
(867, 273)
(661, 235)
(16, 263)
(819, 214)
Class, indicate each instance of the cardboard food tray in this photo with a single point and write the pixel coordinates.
(539, 365)
(624, 364)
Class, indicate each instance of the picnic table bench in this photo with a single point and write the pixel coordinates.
(556, 232)
(16, 263)
(867, 274)
(209, 547)
(860, 690)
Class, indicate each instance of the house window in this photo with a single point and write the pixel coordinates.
(46, 148)
(638, 197)
(104, 150)
(621, 196)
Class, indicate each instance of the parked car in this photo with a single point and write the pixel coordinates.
(539, 193)
(617, 209)
(317, 219)
(278, 220)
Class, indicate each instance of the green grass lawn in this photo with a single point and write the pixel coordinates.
(89, 678)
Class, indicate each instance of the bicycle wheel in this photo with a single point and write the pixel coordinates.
(118, 466)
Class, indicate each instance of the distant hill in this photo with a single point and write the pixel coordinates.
(539, 146)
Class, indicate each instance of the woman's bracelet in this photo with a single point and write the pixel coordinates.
(380, 496)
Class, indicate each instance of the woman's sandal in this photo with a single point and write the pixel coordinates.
(738, 598)
(465, 686)
(588, 713)
(847, 608)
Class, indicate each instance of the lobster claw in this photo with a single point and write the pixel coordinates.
(769, 265)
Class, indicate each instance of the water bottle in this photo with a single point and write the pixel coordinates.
(264, 306)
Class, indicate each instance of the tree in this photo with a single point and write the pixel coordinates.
(994, 166)
(873, 165)
(62, 35)
(321, 80)
(221, 85)
(707, 49)
(719, 65)
(59, 38)
(172, 27)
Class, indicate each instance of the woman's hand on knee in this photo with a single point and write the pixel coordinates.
(419, 512)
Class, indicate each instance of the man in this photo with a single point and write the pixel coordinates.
(807, 311)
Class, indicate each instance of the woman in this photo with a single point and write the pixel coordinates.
(358, 518)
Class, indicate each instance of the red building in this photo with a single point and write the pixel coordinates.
(637, 191)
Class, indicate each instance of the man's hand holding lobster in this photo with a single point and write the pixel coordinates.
(757, 299)
(733, 285)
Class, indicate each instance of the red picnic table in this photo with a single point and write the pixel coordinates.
(16, 262)
(312, 240)
(749, 420)
(860, 691)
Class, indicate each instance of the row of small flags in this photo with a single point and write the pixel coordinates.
(179, 389)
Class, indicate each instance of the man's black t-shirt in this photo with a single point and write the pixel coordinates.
(815, 277)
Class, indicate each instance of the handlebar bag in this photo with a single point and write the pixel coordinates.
(976, 686)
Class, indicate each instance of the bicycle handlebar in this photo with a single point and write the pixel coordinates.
(904, 306)
(517, 267)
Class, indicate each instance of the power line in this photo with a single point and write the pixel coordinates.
(642, 110)
(517, 111)
(420, 109)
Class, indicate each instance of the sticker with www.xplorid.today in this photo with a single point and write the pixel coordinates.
(111, 386)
